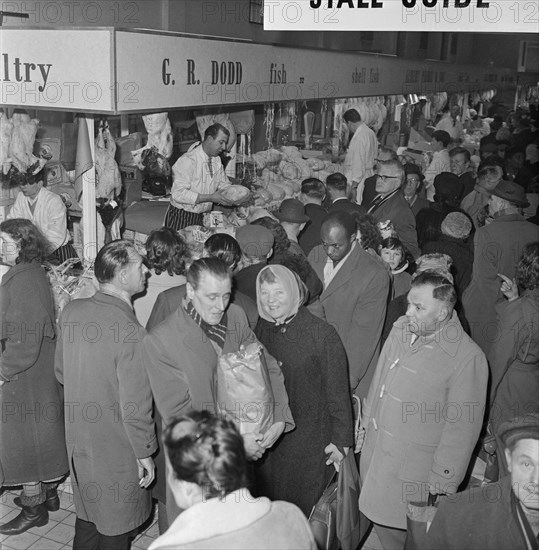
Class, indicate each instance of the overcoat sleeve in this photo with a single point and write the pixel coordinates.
(467, 394)
(367, 323)
(136, 402)
(337, 388)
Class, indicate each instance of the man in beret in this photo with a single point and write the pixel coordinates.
(497, 247)
(496, 516)
(256, 243)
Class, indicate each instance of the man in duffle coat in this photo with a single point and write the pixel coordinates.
(424, 411)
(110, 432)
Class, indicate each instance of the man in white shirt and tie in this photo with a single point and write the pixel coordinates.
(199, 179)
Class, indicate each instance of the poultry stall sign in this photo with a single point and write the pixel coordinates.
(396, 15)
(57, 69)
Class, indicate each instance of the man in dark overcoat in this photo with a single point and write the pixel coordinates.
(110, 432)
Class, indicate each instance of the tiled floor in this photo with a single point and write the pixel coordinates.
(59, 532)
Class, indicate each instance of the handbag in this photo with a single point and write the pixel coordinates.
(323, 518)
(335, 519)
(419, 517)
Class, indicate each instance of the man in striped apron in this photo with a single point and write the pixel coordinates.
(199, 179)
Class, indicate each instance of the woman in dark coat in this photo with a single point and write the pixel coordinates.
(313, 362)
(514, 356)
(33, 451)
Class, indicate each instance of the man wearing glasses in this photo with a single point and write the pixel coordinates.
(390, 204)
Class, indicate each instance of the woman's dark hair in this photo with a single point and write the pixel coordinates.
(214, 266)
(33, 246)
(112, 257)
(166, 251)
(281, 241)
(528, 267)
(225, 247)
(207, 450)
(368, 229)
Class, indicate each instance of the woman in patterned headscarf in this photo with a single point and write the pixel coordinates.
(314, 365)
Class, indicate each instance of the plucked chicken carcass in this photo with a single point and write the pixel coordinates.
(6, 127)
(23, 136)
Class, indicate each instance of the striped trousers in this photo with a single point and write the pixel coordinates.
(177, 219)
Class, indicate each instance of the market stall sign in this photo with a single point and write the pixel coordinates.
(67, 69)
(178, 71)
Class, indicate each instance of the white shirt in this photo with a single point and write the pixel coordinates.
(192, 177)
(49, 215)
(359, 160)
(330, 270)
(452, 126)
(440, 163)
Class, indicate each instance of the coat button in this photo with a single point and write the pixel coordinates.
(446, 471)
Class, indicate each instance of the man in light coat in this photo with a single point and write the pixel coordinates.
(110, 433)
(424, 411)
(360, 158)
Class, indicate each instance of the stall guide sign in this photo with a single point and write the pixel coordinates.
(402, 15)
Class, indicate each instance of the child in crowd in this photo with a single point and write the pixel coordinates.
(392, 252)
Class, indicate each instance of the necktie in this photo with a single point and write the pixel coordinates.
(375, 203)
(210, 167)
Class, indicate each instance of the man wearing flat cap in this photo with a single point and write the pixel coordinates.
(497, 248)
(256, 243)
(496, 516)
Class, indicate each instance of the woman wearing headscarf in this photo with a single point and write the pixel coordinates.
(313, 362)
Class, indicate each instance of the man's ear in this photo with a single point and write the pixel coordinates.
(122, 275)
(189, 290)
(443, 314)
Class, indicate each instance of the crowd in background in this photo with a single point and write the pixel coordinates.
(416, 292)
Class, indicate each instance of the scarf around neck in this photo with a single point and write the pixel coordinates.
(216, 333)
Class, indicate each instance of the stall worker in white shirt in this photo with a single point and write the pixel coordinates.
(44, 209)
(199, 179)
(360, 158)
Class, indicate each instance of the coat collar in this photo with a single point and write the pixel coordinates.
(514, 217)
(448, 339)
(19, 268)
(116, 301)
(344, 274)
(214, 517)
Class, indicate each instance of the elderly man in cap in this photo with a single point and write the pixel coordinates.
(292, 216)
(497, 247)
(256, 243)
(497, 516)
(181, 353)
